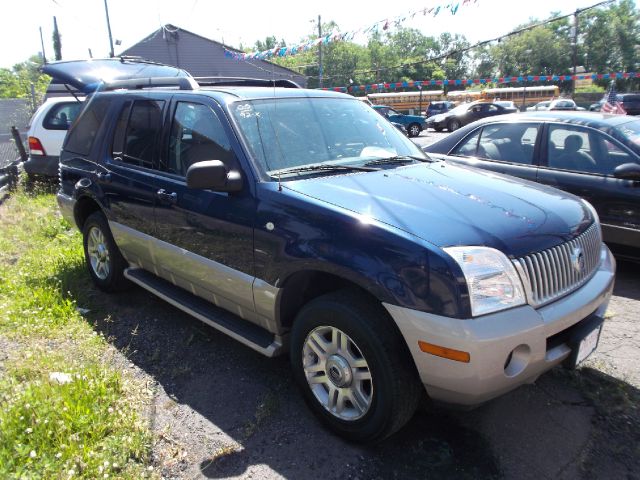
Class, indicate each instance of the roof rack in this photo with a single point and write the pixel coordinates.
(244, 82)
(183, 83)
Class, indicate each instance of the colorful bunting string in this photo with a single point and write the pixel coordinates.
(450, 6)
(482, 81)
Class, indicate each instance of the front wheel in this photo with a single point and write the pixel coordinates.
(353, 366)
(414, 130)
(104, 260)
(453, 125)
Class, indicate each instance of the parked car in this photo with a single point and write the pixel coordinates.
(595, 156)
(540, 106)
(401, 127)
(332, 236)
(435, 108)
(506, 104)
(596, 107)
(413, 123)
(465, 114)
(564, 104)
(47, 130)
(630, 102)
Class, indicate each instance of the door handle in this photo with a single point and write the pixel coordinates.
(168, 197)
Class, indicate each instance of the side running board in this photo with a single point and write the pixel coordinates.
(247, 333)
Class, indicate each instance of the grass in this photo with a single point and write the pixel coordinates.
(87, 424)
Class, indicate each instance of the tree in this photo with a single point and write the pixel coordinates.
(57, 43)
(16, 82)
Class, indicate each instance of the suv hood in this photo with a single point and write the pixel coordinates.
(87, 75)
(449, 205)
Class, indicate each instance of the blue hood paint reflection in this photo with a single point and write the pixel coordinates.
(447, 205)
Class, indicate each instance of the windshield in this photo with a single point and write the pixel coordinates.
(629, 133)
(286, 133)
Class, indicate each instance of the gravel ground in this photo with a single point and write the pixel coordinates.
(221, 410)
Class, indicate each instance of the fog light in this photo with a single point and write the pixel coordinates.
(517, 360)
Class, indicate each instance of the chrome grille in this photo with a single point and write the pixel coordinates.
(552, 273)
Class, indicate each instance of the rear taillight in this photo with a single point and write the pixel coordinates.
(35, 147)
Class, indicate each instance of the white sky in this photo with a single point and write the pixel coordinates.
(82, 22)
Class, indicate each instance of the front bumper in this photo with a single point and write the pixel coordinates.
(506, 348)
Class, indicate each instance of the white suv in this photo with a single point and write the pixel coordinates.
(47, 130)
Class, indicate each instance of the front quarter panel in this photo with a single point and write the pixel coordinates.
(296, 233)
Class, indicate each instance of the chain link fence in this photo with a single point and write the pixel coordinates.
(13, 112)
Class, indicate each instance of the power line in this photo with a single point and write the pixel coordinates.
(476, 45)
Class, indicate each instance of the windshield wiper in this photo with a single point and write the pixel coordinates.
(319, 168)
(398, 159)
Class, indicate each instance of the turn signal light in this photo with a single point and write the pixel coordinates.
(35, 147)
(444, 352)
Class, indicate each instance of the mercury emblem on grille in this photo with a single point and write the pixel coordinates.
(577, 259)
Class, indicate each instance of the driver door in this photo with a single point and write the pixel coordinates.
(206, 236)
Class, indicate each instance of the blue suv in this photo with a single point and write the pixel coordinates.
(413, 123)
(387, 276)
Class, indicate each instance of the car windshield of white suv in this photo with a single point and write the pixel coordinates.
(287, 135)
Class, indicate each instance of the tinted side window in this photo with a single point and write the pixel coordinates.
(509, 142)
(83, 132)
(117, 146)
(142, 134)
(61, 116)
(569, 148)
(468, 147)
(196, 135)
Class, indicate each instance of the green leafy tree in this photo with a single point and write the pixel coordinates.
(16, 82)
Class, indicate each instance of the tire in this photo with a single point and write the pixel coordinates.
(413, 130)
(105, 262)
(453, 125)
(366, 389)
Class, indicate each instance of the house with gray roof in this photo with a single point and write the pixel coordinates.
(203, 57)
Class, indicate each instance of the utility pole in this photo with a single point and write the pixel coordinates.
(575, 52)
(106, 11)
(44, 57)
(320, 52)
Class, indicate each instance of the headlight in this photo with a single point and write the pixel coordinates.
(596, 218)
(491, 278)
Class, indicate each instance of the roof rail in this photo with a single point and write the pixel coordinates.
(244, 82)
(184, 83)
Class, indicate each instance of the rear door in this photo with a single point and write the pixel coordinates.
(206, 237)
(587, 171)
(129, 182)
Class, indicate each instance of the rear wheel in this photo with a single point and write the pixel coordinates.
(414, 130)
(104, 260)
(453, 125)
(353, 366)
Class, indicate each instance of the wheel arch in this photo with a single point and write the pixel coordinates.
(85, 206)
(302, 286)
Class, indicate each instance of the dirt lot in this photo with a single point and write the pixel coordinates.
(221, 410)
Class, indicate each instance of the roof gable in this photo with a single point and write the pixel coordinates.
(203, 57)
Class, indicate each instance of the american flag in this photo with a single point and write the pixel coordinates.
(611, 105)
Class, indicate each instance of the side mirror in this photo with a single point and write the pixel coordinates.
(213, 174)
(627, 171)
